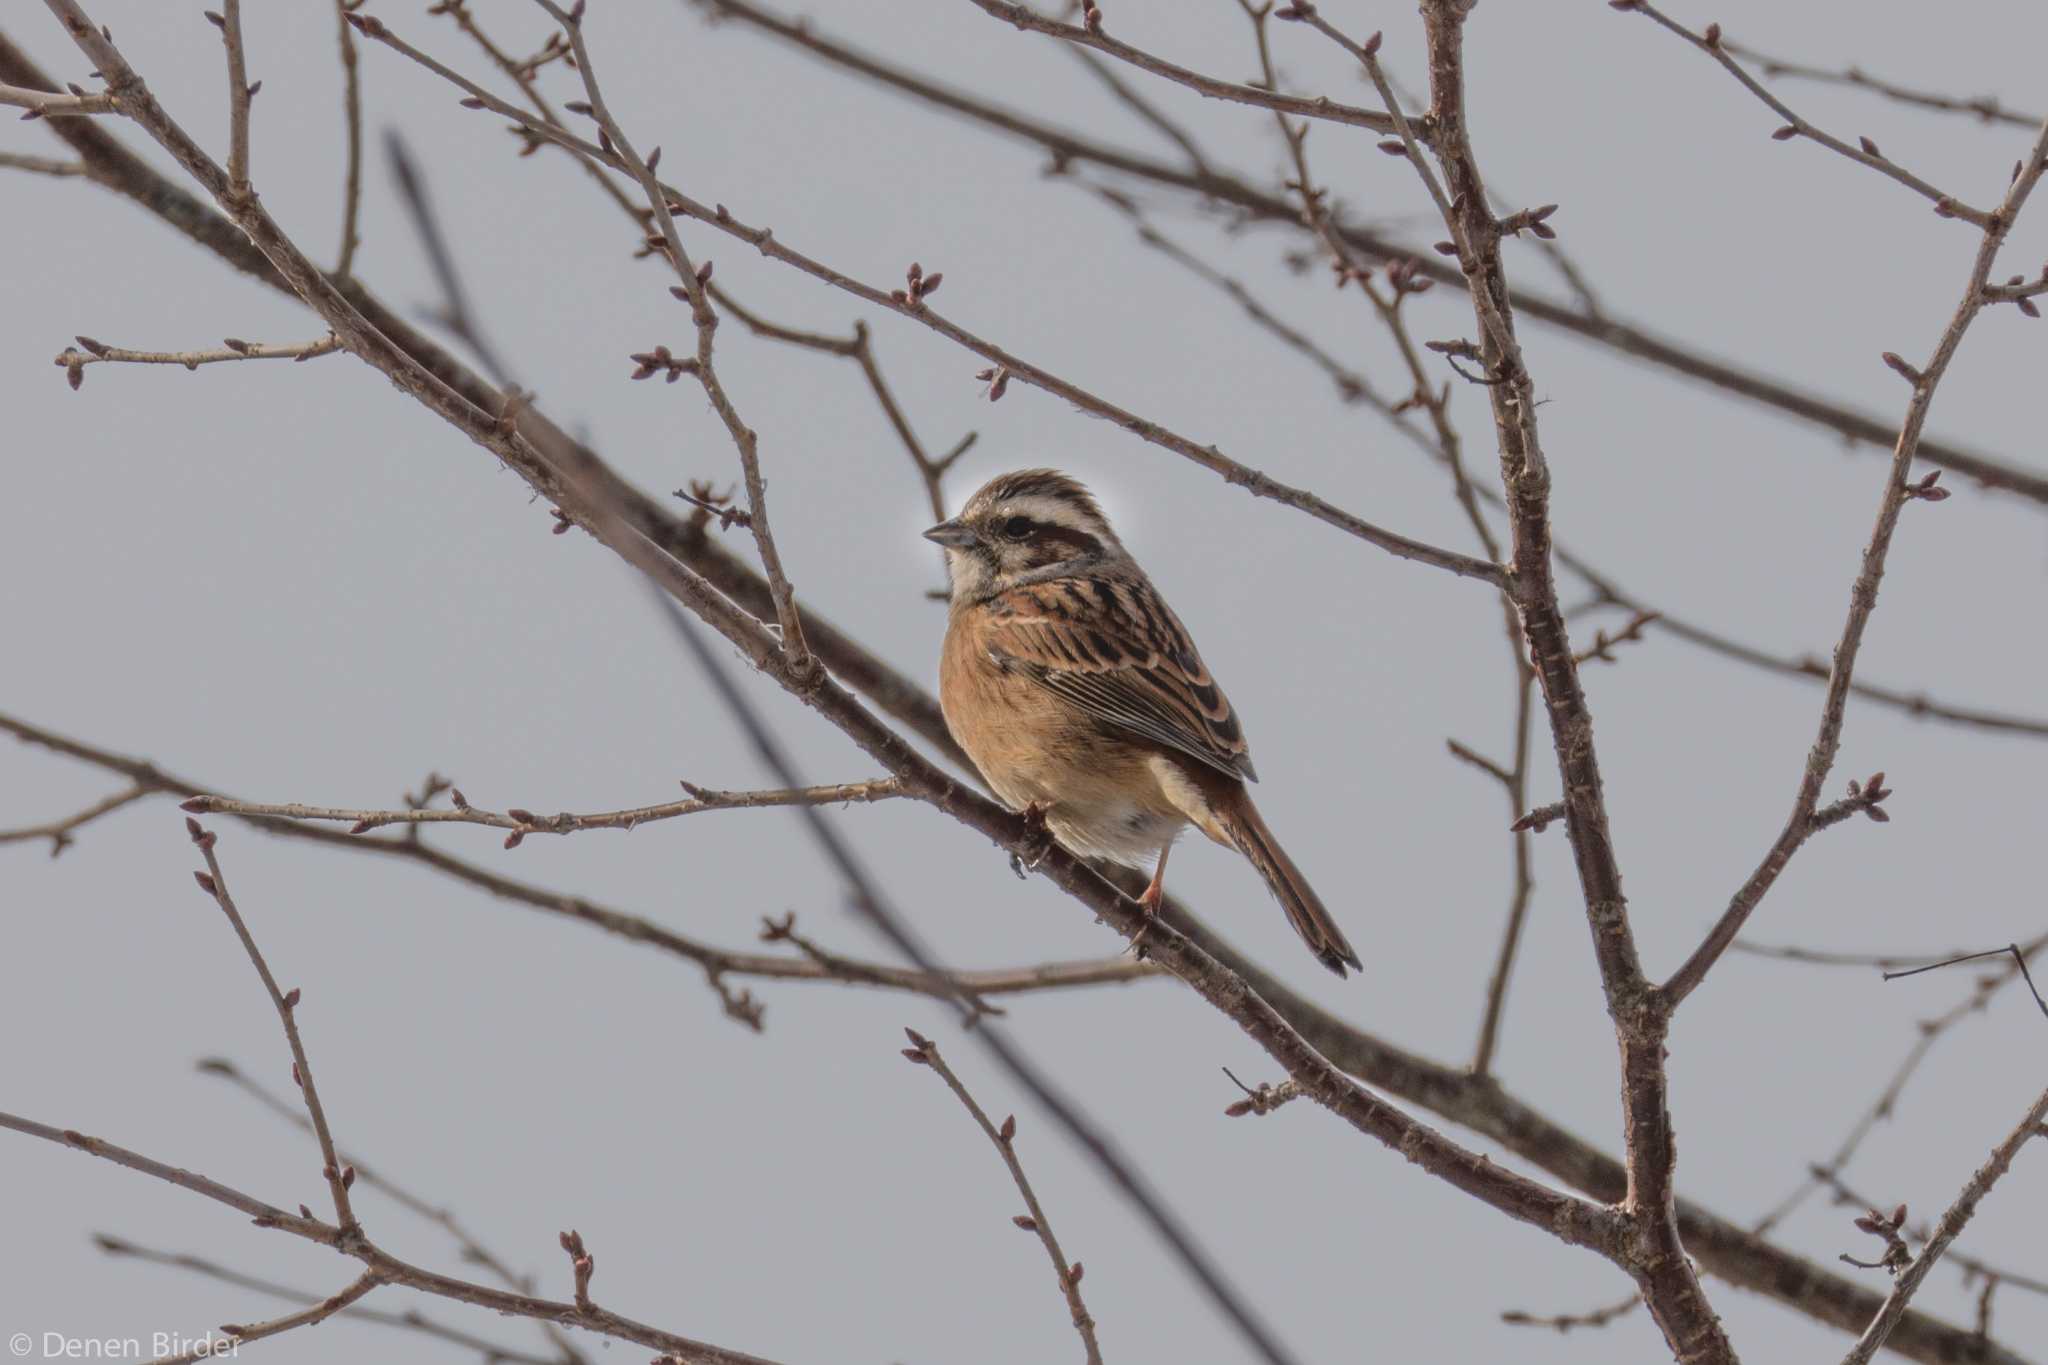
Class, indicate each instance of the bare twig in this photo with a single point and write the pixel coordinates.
(339, 1174)
(453, 311)
(717, 963)
(1090, 34)
(1482, 1104)
(352, 120)
(43, 165)
(410, 1320)
(926, 1053)
(1970, 1267)
(43, 104)
(240, 94)
(1951, 1224)
(1066, 147)
(73, 359)
(764, 240)
(1565, 1322)
(525, 822)
(243, 1333)
(1261, 1099)
(1863, 592)
(1927, 1034)
(473, 1250)
(1984, 108)
(59, 832)
(388, 1269)
(694, 279)
(1710, 42)
(860, 349)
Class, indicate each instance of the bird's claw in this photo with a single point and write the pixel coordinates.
(1038, 841)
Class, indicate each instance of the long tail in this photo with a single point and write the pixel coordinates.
(1305, 910)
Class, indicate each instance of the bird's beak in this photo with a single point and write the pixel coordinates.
(950, 534)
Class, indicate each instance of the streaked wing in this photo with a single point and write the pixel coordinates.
(1118, 652)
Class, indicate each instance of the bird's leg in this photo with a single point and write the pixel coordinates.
(1148, 901)
(1039, 837)
(1156, 891)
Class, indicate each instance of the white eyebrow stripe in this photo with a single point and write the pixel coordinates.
(1050, 510)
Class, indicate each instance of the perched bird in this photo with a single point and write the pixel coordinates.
(1080, 697)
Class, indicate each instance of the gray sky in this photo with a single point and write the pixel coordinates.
(291, 583)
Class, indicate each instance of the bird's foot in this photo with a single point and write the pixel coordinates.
(1147, 901)
(1038, 841)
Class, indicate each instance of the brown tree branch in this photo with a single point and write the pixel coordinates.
(1564, 1216)
(410, 1320)
(693, 281)
(1927, 1034)
(815, 965)
(924, 1052)
(473, 1250)
(1709, 42)
(240, 94)
(1821, 1290)
(1656, 1255)
(352, 123)
(339, 1174)
(1067, 147)
(1863, 592)
(43, 104)
(1482, 1105)
(387, 1268)
(243, 1333)
(59, 832)
(73, 360)
(764, 240)
(1985, 108)
(860, 349)
(1090, 34)
(525, 822)
(1946, 1231)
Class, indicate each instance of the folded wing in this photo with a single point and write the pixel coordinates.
(1118, 652)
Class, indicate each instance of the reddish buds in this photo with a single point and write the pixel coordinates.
(1785, 134)
(920, 285)
(1869, 148)
(1026, 1222)
(206, 883)
(1926, 491)
(1009, 1128)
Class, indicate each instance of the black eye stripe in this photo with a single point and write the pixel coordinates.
(1021, 529)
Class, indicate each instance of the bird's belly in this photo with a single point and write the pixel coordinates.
(1096, 810)
(1101, 796)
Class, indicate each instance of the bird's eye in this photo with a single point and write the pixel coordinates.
(1017, 528)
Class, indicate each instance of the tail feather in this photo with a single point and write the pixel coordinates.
(1305, 910)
